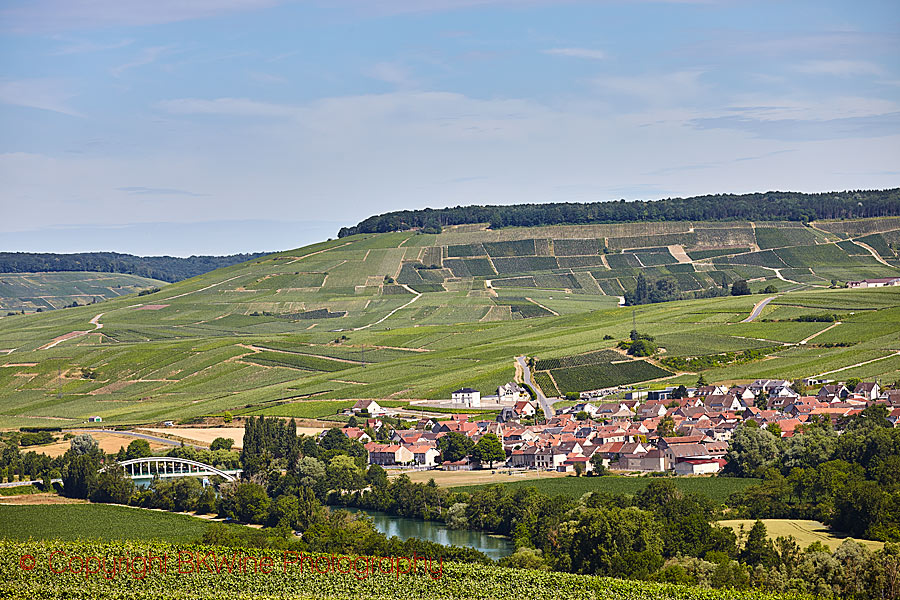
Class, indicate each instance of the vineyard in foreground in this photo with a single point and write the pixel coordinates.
(455, 580)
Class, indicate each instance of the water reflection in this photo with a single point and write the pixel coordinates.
(405, 528)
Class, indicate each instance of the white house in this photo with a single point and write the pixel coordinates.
(369, 406)
(511, 392)
(871, 283)
(467, 397)
(424, 455)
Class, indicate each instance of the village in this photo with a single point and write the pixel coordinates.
(676, 430)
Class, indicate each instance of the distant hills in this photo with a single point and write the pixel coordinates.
(768, 206)
(162, 268)
(409, 316)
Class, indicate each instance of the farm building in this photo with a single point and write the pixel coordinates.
(95, 420)
(873, 283)
(369, 406)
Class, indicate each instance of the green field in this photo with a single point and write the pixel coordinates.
(715, 488)
(318, 323)
(452, 581)
(97, 522)
(47, 291)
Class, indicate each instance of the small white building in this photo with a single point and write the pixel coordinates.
(95, 420)
(369, 406)
(466, 397)
(511, 392)
(872, 283)
(698, 467)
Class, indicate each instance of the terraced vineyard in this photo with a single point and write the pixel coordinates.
(47, 291)
(323, 323)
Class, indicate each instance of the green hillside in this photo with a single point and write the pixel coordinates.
(413, 316)
(46, 291)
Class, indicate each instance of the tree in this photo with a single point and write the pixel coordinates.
(641, 292)
(206, 503)
(579, 469)
(284, 512)
(597, 463)
(227, 417)
(489, 449)
(701, 380)
(750, 451)
(666, 427)
(244, 501)
(642, 347)
(852, 383)
(83, 444)
(139, 448)
(455, 446)
(582, 415)
(311, 473)
(680, 392)
(759, 549)
(221, 443)
(770, 289)
(80, 475)
(740, 288)
(112, 486)
(352, 422)
(376, 476)
(343, 473)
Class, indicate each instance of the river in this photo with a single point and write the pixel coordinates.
(434, 531)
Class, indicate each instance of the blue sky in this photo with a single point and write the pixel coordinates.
(218, 126)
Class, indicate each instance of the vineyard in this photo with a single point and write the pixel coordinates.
(603, 375)
(588, 358)
(242, 573)
(592, 371)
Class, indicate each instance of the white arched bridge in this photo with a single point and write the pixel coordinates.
(165, 466)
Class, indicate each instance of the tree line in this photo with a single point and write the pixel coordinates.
(768, 206)
(850, 481)
(163, 268)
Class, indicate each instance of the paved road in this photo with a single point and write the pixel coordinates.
(31, 482)
(549, 411)
(758, 309)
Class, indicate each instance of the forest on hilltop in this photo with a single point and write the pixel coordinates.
(769, 206)
(163, 268)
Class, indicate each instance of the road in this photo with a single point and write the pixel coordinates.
(874, 254)
(549, 411)
(758, 309)
(408, 289)
(30, 482)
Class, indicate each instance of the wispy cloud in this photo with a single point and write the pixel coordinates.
(67, 15)
(147, 56)
(390, 72)
(807, 130)
(577, 53)
(152, 191)
(839, 68)
(87, 46)
(239, 107)
(261, 77)
(655, 89)
(44, 94)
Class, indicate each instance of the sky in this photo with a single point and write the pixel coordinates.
(219, 126)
